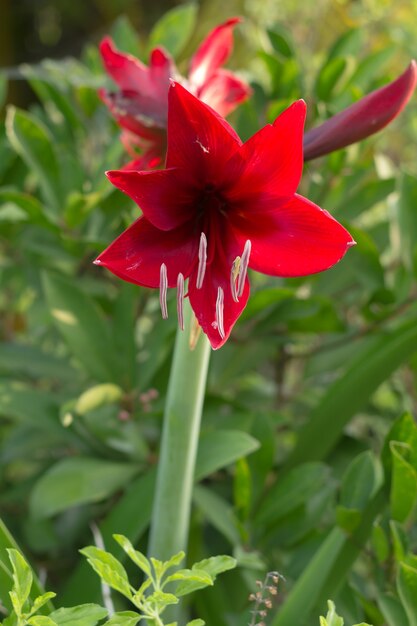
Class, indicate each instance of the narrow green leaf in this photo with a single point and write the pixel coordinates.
(329, 76)
(360, 481)
(291, 490)
(220, 448)
(407, 589)
(75, 481)
(41, 620)
(332, 618)
(367, 370)
(81, 325)
(40, 601)
(33, 142)
(218, 512)
(174, 28)
(403, 482)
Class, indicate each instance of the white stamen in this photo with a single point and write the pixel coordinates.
(243, 269)
(202, 261)
(219, 311)
(180, 300)
(234, 273)
(163, 288)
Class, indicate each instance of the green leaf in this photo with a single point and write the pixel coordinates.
(187, 575)
(76, 481)
(81, 325)
(196, 622)
(329, 76)
(124, 618)
(215, 565)
(380, 543)
(360, 481)
(364, 373)
(22, 576)
(220, 448)
(291, 490)
(174, 28)
(24, 360)
(41, 620)
(160, 600)
(33, 142)
(392, 610)
(137, 557)
(407, 589)
(110, 570)
(82, 615)
(218, 512)
(406, 219)
(403, 494)
(40, 601)
(125, 36)
(34, 211)
(332, 618)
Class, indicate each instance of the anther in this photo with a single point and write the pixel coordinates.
(202, 261)
(219, 312)
(243, 269)
(234, 273)
(163, 288)
(180, 300)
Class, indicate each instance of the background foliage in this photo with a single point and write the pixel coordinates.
(308, 457)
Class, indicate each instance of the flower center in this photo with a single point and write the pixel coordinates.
(210, 201)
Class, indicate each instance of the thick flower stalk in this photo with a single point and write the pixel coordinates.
(363, 118)
(220, 207)
(140, 106)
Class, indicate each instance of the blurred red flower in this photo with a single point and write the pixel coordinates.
(140, 106)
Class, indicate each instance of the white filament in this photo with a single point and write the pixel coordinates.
(243, 268)
(202, 261)
(163, 288)
(180, 300)
(219, 312)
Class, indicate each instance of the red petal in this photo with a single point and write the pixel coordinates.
(296, 239)
(137, 254)
(199, 141)
(129, 73)
(363, 118)
(203, 301)
(271, 161)
(135, 113)
(224, 92)
(164, 198)
(213, 52)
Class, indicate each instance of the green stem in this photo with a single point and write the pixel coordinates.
(181, 428)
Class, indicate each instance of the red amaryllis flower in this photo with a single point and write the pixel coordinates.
(141, 105)
(220, 207)
(363, 118)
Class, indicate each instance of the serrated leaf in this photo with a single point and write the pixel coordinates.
(40, 601)
(33, 142)
(124, 618)
(78, 480)
(174, 28)
(41, 620)
(160, 599)
(81, 615)
(137, 557)
(22, 576)
(110, 570)
(198, 576)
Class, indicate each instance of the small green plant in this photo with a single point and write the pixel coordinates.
(150, 599)
(24, 610)
(163, 585)
(333, 619)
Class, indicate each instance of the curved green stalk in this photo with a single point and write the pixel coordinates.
(181, 428)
